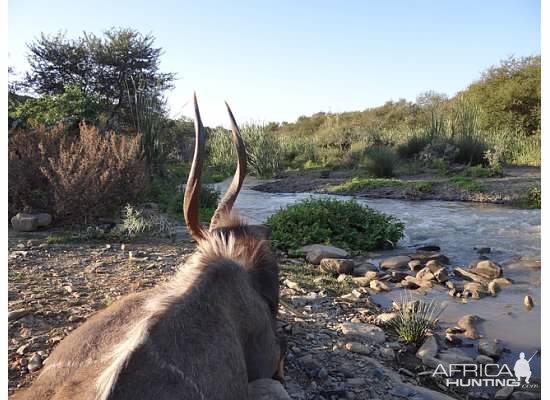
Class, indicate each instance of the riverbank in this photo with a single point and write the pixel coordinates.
(509, 189)
(53, 288)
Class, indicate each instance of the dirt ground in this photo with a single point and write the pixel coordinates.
(507, 189)
(55, 288)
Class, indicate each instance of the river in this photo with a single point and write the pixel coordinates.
(457, 228)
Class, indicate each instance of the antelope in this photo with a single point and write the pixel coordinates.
(205, 334)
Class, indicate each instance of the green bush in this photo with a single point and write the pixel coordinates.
(381, 161)
(345, 224)
(414, 144)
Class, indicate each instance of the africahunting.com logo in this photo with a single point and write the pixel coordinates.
(487, 375)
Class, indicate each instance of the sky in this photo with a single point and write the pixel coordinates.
(276, 61)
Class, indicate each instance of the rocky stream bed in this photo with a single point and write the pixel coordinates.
(336, 312)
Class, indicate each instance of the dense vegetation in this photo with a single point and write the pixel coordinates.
(114, 83)
(345, 224)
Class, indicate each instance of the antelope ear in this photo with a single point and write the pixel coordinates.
(261, 231)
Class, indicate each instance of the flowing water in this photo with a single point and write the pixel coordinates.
(457, 228)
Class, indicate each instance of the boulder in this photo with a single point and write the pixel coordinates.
(358, 348)
(370, 334)
(484, 360)
(491, 348)
(361, 270)
(44, 219)
(504, 393)
(395, 262)
(528, 302)
(379, 286)
(487, 269)
(425, 256)
(455, 356)
(316, 252)
(470, 324)
(441, 275)
(267, 389)
(415, 265)
(336, 266)
(428, 349)
(477, 290)
(471, 276)
(425, 274)
(24, 222)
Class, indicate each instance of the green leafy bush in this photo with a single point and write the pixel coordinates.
(381, 161)
(414, 144)
(345, 224)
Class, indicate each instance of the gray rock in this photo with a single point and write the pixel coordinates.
(267, 389)
(525, 396)
(387, 354)
(386, 318)
(441, 275)
(379, 286)
(35, 363)
(487, 269)
(504, 393)
(415, 265)
(336, 266)
(425, 256)
(368, 333)
(24, 222)
(395, 262)
(477, 290)
(528, 302)
(491, 348)
(44, 219)
(425, 274)
(484, 360)
(363, 269)
(470, 275)
(470, 324)
(16, 314)
(316, 252)
(455, 356)
(428, 349)
(358, 348)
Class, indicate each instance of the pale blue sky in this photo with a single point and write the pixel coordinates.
(275, 61)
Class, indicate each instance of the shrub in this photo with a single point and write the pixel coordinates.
(345, 224)
(416, 318)
(135, 223)
(94, 174)
(414, 145)
(381, 161)
(531, 199)
(263, 149)
(28, 187)
(264, 152)
(221, 155)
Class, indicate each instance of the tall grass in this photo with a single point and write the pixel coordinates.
(264, 151)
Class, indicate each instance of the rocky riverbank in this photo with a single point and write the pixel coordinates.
(342, 343)
(509, 189)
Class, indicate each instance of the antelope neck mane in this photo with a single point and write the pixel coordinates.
(187, 282)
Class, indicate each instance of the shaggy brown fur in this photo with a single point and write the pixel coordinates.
(203, 335)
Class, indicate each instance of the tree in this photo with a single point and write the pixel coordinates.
(510, 95)
(102, 67)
